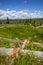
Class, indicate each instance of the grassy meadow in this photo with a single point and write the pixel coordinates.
(33, 47)
(22, 31)
(23, 59)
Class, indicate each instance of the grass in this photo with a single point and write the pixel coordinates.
(8, 44)
(5, 43)
(33, 47)
(22, 32)
(23, 59)
(3, 60)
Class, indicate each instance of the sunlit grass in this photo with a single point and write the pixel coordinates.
(22, 59)
(22, 32)
(33, 47)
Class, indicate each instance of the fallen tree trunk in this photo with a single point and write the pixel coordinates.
(38, 53)
(8, 51)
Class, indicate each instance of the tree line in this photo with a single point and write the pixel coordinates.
(33, 22)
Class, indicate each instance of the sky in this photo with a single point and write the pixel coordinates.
(21, 9)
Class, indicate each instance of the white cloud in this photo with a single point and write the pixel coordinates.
(37, 14)
(13, 14)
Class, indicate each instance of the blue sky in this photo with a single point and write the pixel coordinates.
(33, 6)
(22, 4)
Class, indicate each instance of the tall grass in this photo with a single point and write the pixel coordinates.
(33, 47)
(22, 59)
(25, 59)
(22, 32)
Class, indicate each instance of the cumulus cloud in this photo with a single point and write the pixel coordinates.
(13, 14)
(37, 14)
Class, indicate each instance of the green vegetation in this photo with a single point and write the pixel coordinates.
(33, 47)
(22, 32)
(22, 29)
(7, 20)
(4, 60)
(8, 44)
(23, 59)
(4, 43)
